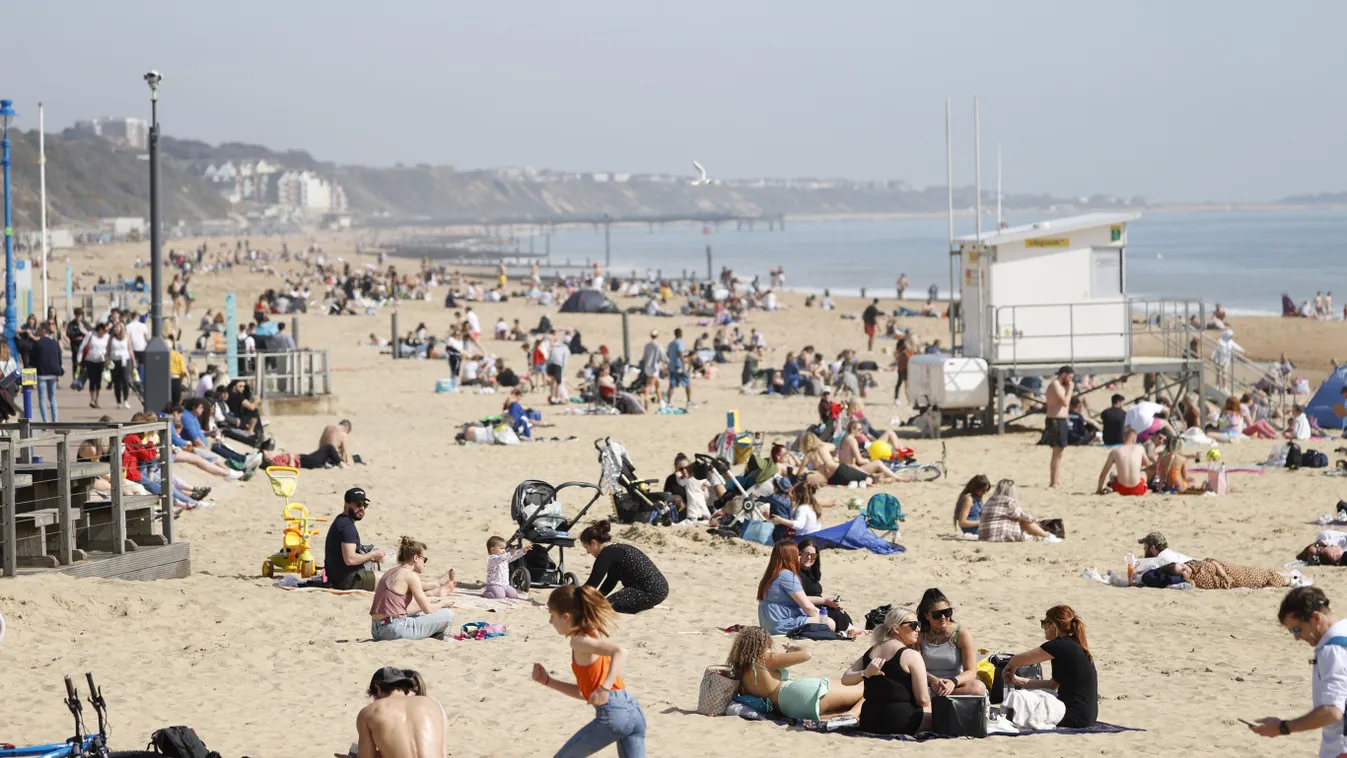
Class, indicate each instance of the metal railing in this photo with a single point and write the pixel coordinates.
(21, 469)
(282, 373)
(1160, 321)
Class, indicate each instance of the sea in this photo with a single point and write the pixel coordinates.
(1243, 259)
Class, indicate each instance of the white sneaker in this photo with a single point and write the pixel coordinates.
(234, 476)
(253, 461)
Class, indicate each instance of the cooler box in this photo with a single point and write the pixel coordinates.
(948, 382)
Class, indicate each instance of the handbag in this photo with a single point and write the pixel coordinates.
(812, 632)
(1054, 526)
(999, 661)
(757, 531)
(1217, 480)
(716, 691)
(959, 715)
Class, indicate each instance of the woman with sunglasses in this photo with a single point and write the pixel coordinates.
(783, 604)
(397, 587)
(947, 648)
(1074, 677)
(811, 574)
(893, 674)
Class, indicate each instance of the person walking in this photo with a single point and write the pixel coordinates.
(871, 320)
(1304, 613)
(47, 362)
(1057, 428)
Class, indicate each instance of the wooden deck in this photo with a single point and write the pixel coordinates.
(142, 564)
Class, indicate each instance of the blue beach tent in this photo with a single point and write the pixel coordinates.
(853, 535)
(1326, 407)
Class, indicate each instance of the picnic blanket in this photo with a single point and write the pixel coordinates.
(853, 535)
(1100, 727)
(469, 599)
(1252, 469)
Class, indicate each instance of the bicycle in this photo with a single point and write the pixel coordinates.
(911, 471)
(81, 745)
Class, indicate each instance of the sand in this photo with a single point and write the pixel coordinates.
(262, 672)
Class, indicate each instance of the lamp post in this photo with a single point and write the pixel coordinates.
(7, 114)
(157, 391)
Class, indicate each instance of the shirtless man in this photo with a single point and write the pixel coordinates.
(336, 437)
(402, 722)
(1129, 459)
(1057, 430)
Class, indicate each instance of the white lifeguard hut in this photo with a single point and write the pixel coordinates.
(1037, 297)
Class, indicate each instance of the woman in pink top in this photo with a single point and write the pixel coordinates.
(396, 589)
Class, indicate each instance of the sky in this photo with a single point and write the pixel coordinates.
(1178, 101)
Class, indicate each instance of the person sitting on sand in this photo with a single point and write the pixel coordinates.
(783, 605)
(1004, 521)
(396, 589)
(947, 648)
(1211, 574)
(348, 564)
(968, 506)
(1130, 460)
(498, 560)
(893, 675)
(856, 410)
(811, 578)
(1171, 470)
(764, 673)
(1147, 418)
(643, 586)
(805, 510)
(403, 721)
(1074, 677)
(1299, 428)
(819, 456)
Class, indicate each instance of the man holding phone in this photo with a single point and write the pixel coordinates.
(1305, 614)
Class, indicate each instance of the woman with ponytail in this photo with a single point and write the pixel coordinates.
(643, 586)
(401, 584)
(586, 618)
(1073, 672)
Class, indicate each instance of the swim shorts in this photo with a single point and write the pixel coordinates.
(554, 371)
(1057, 432)
(677, 379)
(869, 330)
(1137, 491)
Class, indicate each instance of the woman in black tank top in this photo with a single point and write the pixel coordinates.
(893, 704)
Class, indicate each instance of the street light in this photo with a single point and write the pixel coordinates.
(156, 381)
(7, 114)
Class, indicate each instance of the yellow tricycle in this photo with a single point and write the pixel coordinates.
(296, 555)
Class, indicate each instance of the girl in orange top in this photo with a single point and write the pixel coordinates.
(584, 615)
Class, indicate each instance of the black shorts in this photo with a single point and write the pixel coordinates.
(1057, 432)
(554, 371)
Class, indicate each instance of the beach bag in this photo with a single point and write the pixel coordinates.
(959, 715)
(1313, 459)
(757, 531)
(876, 616)
(1054, 526)
(997, 691)
(1217, 480)
(1293, 456)
(180, 742)
(504, 435)
(812, 632)
(716, 691)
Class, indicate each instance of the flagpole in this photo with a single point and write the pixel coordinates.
(42, 183)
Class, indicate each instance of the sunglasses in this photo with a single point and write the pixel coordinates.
(809, 553)
(424, 560)
(945, 613)
(913, 625)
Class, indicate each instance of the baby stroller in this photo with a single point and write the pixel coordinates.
(537, 511)
(744, 504)
(633, 500)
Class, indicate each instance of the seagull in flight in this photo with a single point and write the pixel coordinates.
(701, 175)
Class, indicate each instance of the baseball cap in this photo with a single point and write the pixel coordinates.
(356, 495)
(1155, 540)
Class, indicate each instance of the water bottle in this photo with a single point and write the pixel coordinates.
(823, 612)
(1131, 561)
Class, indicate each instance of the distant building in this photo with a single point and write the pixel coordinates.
(131, 132)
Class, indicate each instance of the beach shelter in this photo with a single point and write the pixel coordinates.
(1326, 408)
(853, 535)
(588, 301)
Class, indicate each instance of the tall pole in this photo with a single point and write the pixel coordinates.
(607, 243)
(949, 190)
(158, 390)
(998, 187)
(7, 113)
(977, 165)
(42, 193)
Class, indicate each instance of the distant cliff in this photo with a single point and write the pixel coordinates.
(88, 178)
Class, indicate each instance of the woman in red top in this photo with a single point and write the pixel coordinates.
(584, 615)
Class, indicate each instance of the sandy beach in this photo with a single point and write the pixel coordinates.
(262, 672)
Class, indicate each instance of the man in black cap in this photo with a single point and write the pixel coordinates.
(350, 565)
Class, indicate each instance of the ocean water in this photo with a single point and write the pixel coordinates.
(1242, 259)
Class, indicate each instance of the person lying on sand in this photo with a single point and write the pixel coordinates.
(403, 721)
(1211, 574)
(762, 673)
(1129, 459)
(1326, 550)
(819, 455)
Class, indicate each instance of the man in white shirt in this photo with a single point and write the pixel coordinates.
(474, 323)
(1300, 425)
(1156, 553)
(1147, 418)
(1305, 614)
(138, 334)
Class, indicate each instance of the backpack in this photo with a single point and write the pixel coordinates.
(876, 616)
(812, 632)
(1313, 459)
(1293, 456)
(180, 742)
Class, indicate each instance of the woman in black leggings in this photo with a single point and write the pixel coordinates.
(643, 586)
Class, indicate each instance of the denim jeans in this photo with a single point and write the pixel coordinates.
(155, 489)
(621, 720)
(46, 397)
(417, 627)
(228, 453)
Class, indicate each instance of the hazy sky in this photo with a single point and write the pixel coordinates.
(1179, 101)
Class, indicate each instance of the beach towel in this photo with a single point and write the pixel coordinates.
(1033, 709)
(853, 535)
(831, 726)
(461, 598)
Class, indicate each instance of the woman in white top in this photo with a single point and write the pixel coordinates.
(119, 354)
(805, 516)
(94, 354)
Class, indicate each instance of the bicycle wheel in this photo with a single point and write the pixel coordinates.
(134, 754)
